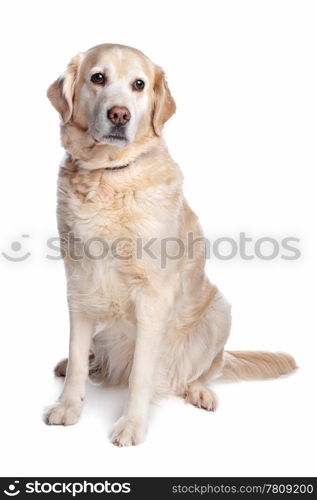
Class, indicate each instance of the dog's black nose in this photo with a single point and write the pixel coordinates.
(119, 115)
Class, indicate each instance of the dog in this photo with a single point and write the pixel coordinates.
(137, 317)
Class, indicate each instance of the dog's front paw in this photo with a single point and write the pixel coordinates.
(127, 432)
(63, 413)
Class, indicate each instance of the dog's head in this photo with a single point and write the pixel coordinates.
(114, 93)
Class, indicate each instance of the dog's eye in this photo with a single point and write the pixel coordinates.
(98, 79)
(138, 85)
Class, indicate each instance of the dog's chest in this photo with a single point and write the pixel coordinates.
(102, 211)
(103, 225)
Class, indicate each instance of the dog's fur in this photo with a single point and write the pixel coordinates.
(161, 329)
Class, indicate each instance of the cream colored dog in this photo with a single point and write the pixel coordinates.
(142, 310)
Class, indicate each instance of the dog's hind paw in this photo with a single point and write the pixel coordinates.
(201, 396)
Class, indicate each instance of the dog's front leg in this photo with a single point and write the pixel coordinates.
(69, 406)
(152, 313)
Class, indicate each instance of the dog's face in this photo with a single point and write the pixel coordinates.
(114, 93)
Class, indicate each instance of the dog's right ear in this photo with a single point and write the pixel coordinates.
(61, 92)
(164, 104)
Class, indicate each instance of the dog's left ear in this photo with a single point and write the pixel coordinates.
(164, 104)
(61, 92)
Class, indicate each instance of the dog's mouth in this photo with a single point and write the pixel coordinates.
(111, 139)
(115, 137)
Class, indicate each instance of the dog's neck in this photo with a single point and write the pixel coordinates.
(87, 154)
(145, 163)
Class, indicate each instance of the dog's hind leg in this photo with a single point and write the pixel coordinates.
(60, 368)
(198, 394)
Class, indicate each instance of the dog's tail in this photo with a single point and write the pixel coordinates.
(256, 365)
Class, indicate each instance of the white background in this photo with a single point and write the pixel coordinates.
(243, 74)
